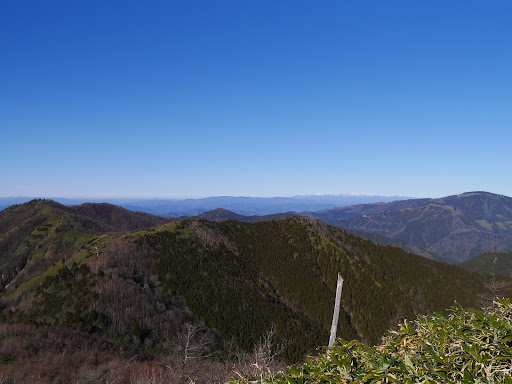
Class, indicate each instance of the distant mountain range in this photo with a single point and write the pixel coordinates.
(453, 229)
(241, 205)
(456, 228)
(141, 280)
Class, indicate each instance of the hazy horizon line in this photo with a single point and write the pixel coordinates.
(347, 194)
(344, 194)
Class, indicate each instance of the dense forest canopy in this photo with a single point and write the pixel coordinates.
(144, 283)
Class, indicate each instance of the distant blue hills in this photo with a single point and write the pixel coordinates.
(239, 205)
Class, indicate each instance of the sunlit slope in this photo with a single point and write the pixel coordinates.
(236, 279)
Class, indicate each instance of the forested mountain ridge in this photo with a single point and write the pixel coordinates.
(232, 280)
(221, 214)
(47, 231)
(456, 228)
(494, 262)
(393, 242)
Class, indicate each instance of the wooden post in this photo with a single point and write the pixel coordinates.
(336, 313)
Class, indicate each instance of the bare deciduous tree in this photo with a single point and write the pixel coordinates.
(194, 344)
(264, 358)
(494, 288)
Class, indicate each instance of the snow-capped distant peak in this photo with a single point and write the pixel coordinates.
(334, 194)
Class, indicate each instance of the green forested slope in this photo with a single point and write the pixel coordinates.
(494, 262)
(301, 258)
(232, 280)
(36, 235)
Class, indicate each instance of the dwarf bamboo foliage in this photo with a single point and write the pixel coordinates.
(463, 347)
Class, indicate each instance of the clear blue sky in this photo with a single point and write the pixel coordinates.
(255, 98)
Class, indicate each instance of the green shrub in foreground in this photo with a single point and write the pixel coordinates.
(463, 347)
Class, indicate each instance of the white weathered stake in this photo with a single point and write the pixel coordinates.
(336, 314)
